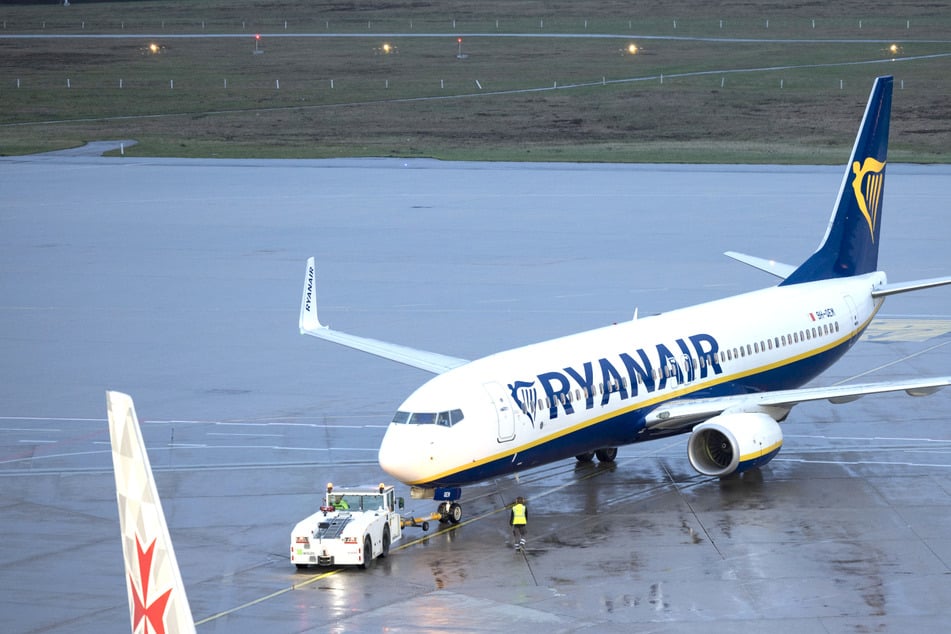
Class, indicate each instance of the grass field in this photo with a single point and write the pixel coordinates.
(792, 91)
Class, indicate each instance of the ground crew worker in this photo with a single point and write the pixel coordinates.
(341, 504)
(519, 520)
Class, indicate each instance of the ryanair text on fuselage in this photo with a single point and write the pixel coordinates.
(639, 370)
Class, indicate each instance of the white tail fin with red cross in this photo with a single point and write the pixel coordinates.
(157, 601)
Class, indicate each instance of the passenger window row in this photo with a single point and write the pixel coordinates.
(671, 370)
(779, 342)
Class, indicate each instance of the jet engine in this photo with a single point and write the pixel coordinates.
(733, 443)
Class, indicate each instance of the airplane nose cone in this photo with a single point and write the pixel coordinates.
(398, 456)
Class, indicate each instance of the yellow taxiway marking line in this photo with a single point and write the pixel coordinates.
(267, 597)
(906, 329)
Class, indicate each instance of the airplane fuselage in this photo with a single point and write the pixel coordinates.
(553, 400)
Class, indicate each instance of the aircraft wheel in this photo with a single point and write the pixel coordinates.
(587, 456)
(455, 513)
(606, 455)
(443, 512)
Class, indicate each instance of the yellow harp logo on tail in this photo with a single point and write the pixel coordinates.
(868, 191)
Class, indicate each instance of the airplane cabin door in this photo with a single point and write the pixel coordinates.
(503, 410)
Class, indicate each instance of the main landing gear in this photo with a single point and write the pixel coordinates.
(607, 454)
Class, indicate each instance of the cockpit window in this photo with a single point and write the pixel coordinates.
(445, 419)
(421, 418)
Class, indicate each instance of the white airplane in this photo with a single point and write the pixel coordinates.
(726, 372)
(157, 601)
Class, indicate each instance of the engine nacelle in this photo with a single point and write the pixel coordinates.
(733, 443)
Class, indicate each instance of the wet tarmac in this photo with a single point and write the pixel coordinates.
(179, 283)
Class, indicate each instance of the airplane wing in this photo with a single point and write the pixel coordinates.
(684, 413)
(310, 325)
(772, 267)
(156, 592)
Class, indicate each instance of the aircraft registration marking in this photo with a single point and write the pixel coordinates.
(898, 329)
(825, 313)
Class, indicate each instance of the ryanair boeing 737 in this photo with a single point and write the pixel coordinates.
(727, 372)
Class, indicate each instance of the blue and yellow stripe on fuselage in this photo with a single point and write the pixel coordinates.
(627, 425)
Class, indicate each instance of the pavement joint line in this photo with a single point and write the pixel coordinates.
(891, 363)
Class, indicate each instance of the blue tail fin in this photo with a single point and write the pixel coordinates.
(850, 246)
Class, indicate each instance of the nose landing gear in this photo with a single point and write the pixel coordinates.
(450, 512)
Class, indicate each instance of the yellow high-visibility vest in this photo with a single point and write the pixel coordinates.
(518, 515)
